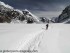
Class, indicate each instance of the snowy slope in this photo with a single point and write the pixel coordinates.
(34, 37)
(56, 39)
(16, 36)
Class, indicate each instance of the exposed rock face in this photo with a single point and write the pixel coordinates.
(6, 16)
(64, 17)
(8, 13)
(44, 20)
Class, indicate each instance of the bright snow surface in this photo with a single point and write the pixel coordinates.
(56, 39)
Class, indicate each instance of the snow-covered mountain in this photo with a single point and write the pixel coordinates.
(44, 20)
(64, 17)
(30, 17)
(5, 7)
(35, 17)
(10, 15)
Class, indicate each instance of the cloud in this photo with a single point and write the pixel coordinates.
(49, 8)
(47, 14)
(48, 5)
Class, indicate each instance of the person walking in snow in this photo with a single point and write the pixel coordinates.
(47, 25)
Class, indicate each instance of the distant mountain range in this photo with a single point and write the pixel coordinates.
(10, 15)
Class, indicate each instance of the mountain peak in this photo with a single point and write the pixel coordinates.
(5, 5)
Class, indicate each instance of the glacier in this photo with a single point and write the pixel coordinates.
(55, 39)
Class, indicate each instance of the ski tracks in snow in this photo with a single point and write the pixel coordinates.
(33, 42)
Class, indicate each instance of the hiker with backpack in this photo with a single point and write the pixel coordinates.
(47, 25)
